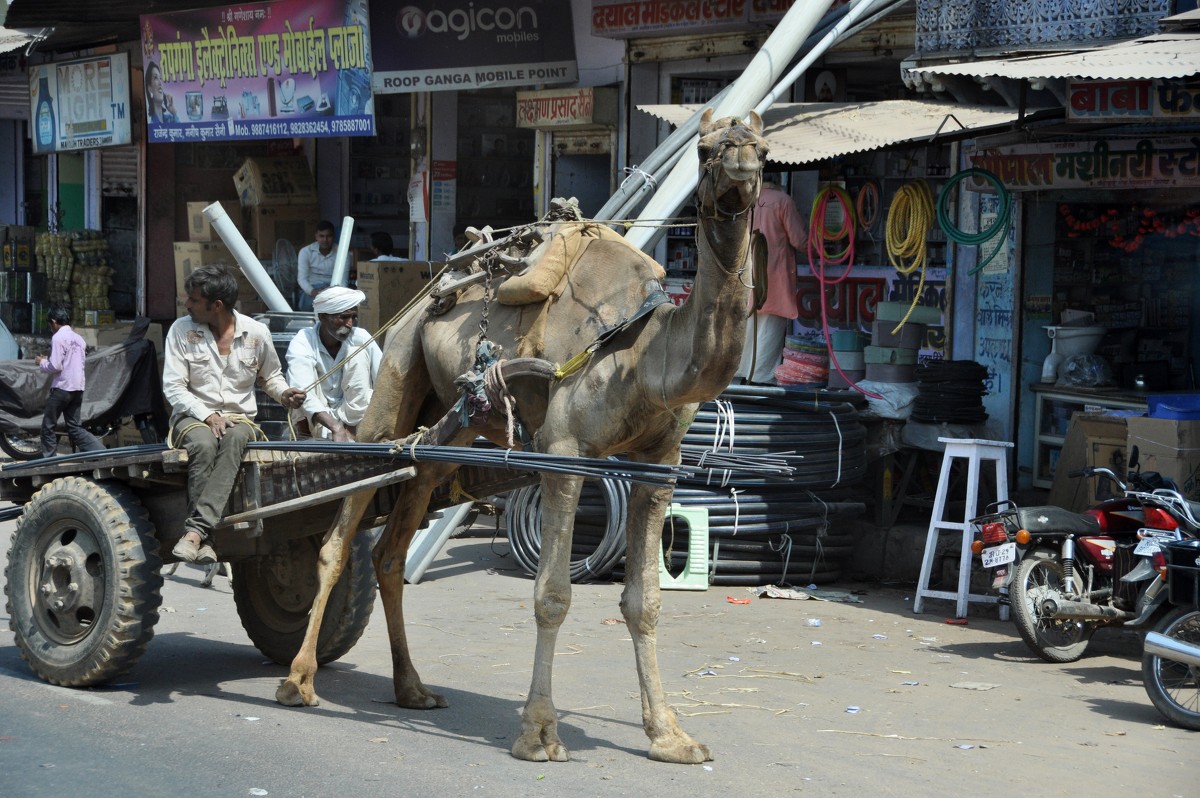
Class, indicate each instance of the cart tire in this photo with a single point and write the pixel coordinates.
(21, 445)
(274, 595)
(82, 583)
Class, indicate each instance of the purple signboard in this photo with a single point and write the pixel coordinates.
(449, 45)
(288, 69)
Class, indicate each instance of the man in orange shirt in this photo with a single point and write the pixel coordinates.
(777, 219)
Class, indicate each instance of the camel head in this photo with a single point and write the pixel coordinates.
(732, 156)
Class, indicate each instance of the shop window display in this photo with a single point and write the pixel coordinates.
(1132, 264)
(495, 162)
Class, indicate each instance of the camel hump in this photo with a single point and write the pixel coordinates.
(554, 258)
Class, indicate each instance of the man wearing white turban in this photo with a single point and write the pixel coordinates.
(333, 351)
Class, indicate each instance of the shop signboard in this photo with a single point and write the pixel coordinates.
(1102, 163)
(623, 19)
(288, 69)
(451, 45)
(80, 104)
(566, 109)
(1159, 99)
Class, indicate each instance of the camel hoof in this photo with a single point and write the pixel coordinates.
(680, 751)
(421, 699)
(530, 748)
(291, 694)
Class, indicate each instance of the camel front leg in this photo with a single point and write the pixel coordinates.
(297, 689)
(641, 603)
(539, 739)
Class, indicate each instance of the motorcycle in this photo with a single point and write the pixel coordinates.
(1066, 574)
(122, 383)
(1171, 662)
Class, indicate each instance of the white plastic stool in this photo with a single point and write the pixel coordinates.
(974, 451)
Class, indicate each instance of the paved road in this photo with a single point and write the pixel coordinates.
(768, 692)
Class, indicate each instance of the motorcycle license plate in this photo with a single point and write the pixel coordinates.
(1146, 547)
(999, 555)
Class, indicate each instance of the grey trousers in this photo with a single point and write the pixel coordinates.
(213, 465)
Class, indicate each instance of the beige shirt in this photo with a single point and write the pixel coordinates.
(198, 381)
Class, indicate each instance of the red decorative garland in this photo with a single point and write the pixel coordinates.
(1124, 234)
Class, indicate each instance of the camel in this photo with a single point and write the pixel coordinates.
(636, 396)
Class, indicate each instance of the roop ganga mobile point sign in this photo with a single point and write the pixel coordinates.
(445, 45)
(288, 69)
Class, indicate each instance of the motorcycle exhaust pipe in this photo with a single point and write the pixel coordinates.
(1160, 645)
(1082, 611)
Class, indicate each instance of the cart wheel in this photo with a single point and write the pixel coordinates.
(21, 445)
(83, 581)
(274, 595)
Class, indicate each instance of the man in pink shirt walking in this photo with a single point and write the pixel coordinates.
(66, 392)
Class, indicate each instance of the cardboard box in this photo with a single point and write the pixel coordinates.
(198, 227)
(294, 223)
(388, 286)
(191, 255)
(1170, 447)
(275, 181)
(1092, 439)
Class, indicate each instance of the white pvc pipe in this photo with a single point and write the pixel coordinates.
(343, 247)
(246, 258)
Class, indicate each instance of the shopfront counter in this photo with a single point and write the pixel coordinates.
(1056, 405)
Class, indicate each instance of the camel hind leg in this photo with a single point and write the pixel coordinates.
(298, 688)
(402, 384)
(641, 603)
(390, 555)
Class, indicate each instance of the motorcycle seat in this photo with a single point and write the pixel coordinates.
(1049, 519)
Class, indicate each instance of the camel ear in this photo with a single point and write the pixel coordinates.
(706, 122)
(756, 123)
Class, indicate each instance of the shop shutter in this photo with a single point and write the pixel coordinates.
(118, 171)
(14, 96)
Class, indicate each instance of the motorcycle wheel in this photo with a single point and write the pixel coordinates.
(1174, 687)
(1053, 640)
(21, 445)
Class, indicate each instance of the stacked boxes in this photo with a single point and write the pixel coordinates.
(847, 348)
(275, 181)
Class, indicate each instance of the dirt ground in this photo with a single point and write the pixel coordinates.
(872, 699)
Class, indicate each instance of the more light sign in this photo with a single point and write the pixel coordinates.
(80, 105)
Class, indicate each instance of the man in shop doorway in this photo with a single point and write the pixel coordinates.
(65, 362)
(382, 247)
(314, 267)
(782, 228)
(335, 362)
(212, 360)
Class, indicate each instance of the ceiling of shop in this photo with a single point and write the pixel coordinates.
(85, 23)
(806, 132)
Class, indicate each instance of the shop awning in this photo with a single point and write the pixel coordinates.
(1164, 55)
(13, 40)
(801, 133)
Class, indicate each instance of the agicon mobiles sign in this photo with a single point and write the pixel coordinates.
(434, 45)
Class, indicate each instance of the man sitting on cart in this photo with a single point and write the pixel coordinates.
(213, 357)
(345, 359)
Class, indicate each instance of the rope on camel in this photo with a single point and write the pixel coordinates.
(909, 220)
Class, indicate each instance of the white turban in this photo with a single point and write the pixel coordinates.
(337, 299)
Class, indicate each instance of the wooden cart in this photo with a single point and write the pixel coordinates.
(83, 576)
